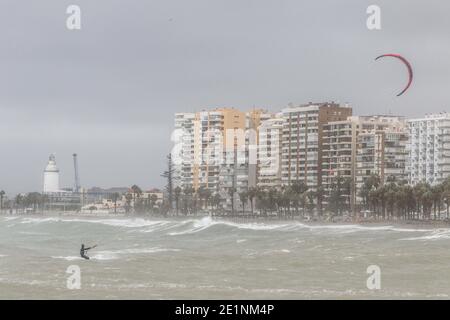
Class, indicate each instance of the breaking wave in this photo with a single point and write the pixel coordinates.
(177, 227)
(439, 234)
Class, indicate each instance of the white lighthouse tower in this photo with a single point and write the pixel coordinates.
(51, 176)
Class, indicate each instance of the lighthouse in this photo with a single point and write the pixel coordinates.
(51, 176)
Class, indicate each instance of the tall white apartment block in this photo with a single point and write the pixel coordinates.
(302, 141)
(381, 149)
(429, 149)
(269, 152)
(362, 146)
(217, 150)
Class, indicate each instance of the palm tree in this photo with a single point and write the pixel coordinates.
(201, 192)
(2, 194)
(187, 199)
(44, 200)
(216, 200)
(128, 198)
(298, 192)
(391, 198)
(271, 199)
(207, 197)
(437, 192)
(320, 193)
(335, 201)
(19, 200)
(231, 192)
(153, 199)
(419, 191)
(310, 196)
(169, 175)
(261, 196)
(347, 186)
(369, 184)
(177, 192)
(136, 191)
(115, 196)
(243, 197)
(446, 197)
(204, 194)
(251, 193)
(33, 199)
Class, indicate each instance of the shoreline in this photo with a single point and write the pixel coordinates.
(426, 224)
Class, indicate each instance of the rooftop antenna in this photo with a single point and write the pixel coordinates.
(77, 180)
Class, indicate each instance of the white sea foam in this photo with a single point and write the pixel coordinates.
(33, 233)
(68, 258)
(197, 225)
(207, 222)
(114, 254)
(10, 218)
(439, 234)
(39, 220)
(191, 226)
(128, 223)
(143, 250)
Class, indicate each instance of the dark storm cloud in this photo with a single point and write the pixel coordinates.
(109, 91)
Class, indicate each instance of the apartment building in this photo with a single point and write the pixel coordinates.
(429, 149)
(361, 146)
(302, 140)
(217, 150)
(269, 152)
(227, 150)
(338, 151)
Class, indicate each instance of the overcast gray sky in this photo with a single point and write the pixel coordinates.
(109, 91)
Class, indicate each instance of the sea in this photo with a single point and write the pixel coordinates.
(209, 258)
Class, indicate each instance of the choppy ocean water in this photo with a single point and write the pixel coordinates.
(204, 258)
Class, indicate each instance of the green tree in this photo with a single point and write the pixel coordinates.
(128, 199)
(2, 195)
(216, 200)
(168, 174)
(177, 194)
(251, 193)
(114, 197)
(231, 192)
(153, 200)
(371, 183)
(187, 199)
(320, 194)
(19, 201)
(297, 193)
(243, 197)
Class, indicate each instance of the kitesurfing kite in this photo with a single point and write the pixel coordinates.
(407, 65)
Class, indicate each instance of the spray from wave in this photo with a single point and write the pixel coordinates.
(439, 234)
(189, 226)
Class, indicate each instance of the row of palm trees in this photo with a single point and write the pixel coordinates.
(398, 200)
(34, 200)
(136, 203)
(189, 201)
(390, 200)
(284, 201)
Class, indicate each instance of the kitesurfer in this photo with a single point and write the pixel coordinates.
(84, 250)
